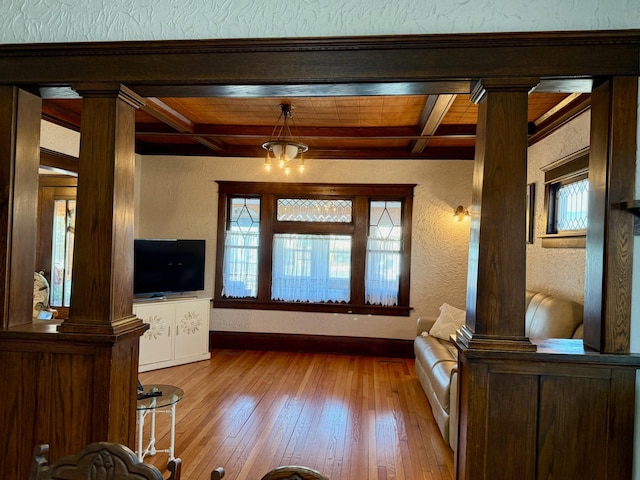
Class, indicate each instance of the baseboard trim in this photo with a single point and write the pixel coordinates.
(377, 347)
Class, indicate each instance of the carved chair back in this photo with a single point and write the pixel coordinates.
(294, 472)
(98, 461)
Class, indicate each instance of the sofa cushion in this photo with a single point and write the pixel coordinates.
(449, 321)
(552, 317)
(439, 414)
(439, 359)
(431, 350)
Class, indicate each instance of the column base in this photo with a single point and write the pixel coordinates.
(123, 326)
(473, 341)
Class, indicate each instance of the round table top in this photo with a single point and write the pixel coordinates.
(170, 395)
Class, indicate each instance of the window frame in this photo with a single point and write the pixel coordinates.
(358, 228)
(50, 189)
(567, 170)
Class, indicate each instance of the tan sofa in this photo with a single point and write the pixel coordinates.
(437, 360)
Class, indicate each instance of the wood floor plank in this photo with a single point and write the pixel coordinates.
(352, 418)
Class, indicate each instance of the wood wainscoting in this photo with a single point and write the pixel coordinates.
(378, 347)
(560, 412)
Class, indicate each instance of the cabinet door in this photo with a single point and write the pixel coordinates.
(192, 329)
(156, 343)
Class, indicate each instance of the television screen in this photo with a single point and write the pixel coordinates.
(168, 266)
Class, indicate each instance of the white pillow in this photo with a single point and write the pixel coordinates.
(450, 320)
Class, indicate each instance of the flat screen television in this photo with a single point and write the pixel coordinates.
(168, 266)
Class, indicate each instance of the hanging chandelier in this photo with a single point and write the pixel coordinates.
(282, 149)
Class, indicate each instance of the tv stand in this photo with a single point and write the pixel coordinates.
(178, 333)
(159, 297)
(152, 298)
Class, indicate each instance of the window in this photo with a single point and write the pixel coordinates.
(313, 247)
(567, 201)
(64, 221)
(56, 225)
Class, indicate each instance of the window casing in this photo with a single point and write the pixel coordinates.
(314, 247)
(566, 201)
(56, 219)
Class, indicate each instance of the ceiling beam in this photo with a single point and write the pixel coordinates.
(429, 153)
(569, 108)
(338, 133)
(167, 115)
(60, 116)
(58, 162)
(434, 112)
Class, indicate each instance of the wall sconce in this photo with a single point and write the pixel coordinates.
(461, 213)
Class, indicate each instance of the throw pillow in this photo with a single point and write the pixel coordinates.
(450, 320)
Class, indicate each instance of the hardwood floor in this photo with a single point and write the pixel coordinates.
(350, 417)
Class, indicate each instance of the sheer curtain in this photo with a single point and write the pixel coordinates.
(382, 279)
(240, 267)
(311, 268)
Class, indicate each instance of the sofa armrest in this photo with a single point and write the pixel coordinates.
(424, 324)
(453, 410)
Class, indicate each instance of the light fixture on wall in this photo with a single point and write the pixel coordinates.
(282, 149)
(461, 213)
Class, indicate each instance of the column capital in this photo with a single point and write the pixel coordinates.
(110, 90)
(517, 84)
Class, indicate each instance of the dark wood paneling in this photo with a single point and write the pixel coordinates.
(470, 457)
(572, 427)
(609, 256)
(17, 422)
(511, 414)
(20, 157)
(622, 404)
(66, 391)
(559, 412)
(381, 347)
(71, 403)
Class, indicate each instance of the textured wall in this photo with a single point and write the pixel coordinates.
(96, 20)
(558, 271)
(178, 198)
(59, 139)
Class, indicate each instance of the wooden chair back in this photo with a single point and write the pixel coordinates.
(98, 461)
(294, 472)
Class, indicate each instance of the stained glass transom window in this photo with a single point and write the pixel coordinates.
(314, 210)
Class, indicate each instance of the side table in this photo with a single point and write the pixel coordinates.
(165, 401)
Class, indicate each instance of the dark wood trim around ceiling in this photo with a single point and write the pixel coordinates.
(157, 68)
(384, 65)
(58, 161)
(565, 112)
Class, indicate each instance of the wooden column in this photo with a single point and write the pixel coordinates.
(102, 292)
(102, 295)
(557, 410)
(20, 113)
(609, 256)
(496, 278)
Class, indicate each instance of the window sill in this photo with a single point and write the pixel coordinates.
(312, 307)
(565, 240)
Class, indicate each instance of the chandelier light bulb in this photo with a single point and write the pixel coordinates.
(282, 146)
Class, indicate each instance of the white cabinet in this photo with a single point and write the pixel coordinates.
(178, 332)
